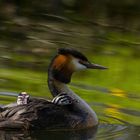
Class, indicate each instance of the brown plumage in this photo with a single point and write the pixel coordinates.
(60, 61)
(42, 114)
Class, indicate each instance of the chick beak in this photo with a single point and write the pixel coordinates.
(94, 66)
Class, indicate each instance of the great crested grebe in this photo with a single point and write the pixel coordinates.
(66, 111)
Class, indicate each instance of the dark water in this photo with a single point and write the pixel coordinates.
(30, 36)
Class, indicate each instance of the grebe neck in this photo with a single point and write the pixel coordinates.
(56, 87)
(59, 74)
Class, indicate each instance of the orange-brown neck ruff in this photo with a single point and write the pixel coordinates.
(59, 62)
(62, 69)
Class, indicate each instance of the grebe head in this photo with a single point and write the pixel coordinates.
(68, 61)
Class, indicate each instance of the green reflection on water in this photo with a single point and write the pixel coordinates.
(121, 81)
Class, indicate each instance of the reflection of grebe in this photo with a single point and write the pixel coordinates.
(66, 111)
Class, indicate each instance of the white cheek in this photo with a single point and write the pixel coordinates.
(77, 65)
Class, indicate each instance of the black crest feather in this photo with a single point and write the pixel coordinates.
(73, 52)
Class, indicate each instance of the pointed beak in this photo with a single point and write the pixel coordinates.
(95, 66)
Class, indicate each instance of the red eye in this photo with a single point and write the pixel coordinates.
(81, 62)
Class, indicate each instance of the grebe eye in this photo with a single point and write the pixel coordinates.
(83, 62)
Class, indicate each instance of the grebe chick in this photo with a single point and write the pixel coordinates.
(66, 111)
(22, 99)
